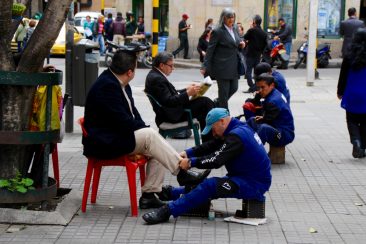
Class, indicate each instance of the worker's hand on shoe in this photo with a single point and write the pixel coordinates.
(185, 164)
(183, 154)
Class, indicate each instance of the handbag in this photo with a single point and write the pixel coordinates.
(241, 66)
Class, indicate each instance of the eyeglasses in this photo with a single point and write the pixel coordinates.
(170, 65)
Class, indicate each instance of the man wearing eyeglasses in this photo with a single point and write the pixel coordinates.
(174, 101)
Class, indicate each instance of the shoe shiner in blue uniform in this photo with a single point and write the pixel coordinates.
(269, 114)
(237, 147)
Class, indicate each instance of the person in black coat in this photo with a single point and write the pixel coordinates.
(256, 40)
(203, 43)
(174, 101)
(114, 128)
(348, 27)
(221, 61)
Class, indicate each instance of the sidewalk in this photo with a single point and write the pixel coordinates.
(321, 186)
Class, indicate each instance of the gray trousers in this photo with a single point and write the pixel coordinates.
(227, 88)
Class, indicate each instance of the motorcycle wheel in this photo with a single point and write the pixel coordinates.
(298, 62)
(108, 60)
(147, 61)
(323, 62)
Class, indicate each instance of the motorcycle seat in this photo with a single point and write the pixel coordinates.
(321, 46)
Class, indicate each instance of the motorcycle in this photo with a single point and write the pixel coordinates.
(322, 55)
(275, 52)
(144, 56)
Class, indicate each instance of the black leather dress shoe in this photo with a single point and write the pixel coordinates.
(157, 216)
(150, 202)
(191, 177)
(166, 193)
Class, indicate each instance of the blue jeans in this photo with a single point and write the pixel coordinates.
(100, 39)
(288, 46)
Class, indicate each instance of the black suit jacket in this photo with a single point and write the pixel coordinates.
(347, 28)
(108, 119)
(221, 60)
(172, 101)
(257, 41)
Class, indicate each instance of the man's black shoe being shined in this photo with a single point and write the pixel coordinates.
(166, 193)
(157, 216)
(149, 200)
(191, 177)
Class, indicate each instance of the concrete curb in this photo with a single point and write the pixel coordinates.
(63, 214)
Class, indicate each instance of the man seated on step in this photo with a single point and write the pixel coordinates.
(174, 101)
(237, 147)
(279, 79)
(114, 128)
(269, 114)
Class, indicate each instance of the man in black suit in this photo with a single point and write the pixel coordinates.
(348, 27)
(174, 101)
(114, 128)
(256, 40)
(221, 61)
(183, 36)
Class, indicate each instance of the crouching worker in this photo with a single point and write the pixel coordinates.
(269, 114)
(237, 147)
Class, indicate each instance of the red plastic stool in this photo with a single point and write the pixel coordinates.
(94, 169)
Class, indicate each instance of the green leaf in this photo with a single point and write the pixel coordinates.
(21, 189)
(27, 181)
(4, 183)
(31, 188)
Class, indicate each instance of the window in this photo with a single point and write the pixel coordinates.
(329, 17)
(275, 9)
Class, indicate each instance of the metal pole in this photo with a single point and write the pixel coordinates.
(155, 28)
(102, 6)
(69, 112)
(313, 27)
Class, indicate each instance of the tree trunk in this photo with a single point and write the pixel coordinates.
(16, 101)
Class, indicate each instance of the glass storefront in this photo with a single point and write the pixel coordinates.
(275, 9)
(329, 17)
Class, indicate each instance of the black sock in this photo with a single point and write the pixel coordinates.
(148, 195)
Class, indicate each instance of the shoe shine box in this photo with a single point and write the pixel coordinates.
(251, 209)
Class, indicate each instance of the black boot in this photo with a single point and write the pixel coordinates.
(157, 216)
(149, 200)
(191, 177)
(357, 151)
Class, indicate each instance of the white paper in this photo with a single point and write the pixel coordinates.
(246, 221)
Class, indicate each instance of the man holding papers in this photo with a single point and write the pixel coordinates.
(175, 101)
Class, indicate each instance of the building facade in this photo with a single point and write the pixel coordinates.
(295, 12)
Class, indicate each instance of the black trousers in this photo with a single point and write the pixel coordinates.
(183, 45)
(356, 124)
(251, 62)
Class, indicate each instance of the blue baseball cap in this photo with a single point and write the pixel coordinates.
(212, 117)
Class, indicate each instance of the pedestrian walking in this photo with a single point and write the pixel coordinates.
(99, 34)
(352, 90)
(285, 36)
(256, 40)
(119, 29)
(183, 28)
(348, 27)
(222, 57)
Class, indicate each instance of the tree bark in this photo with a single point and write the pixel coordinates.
(16, 101)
